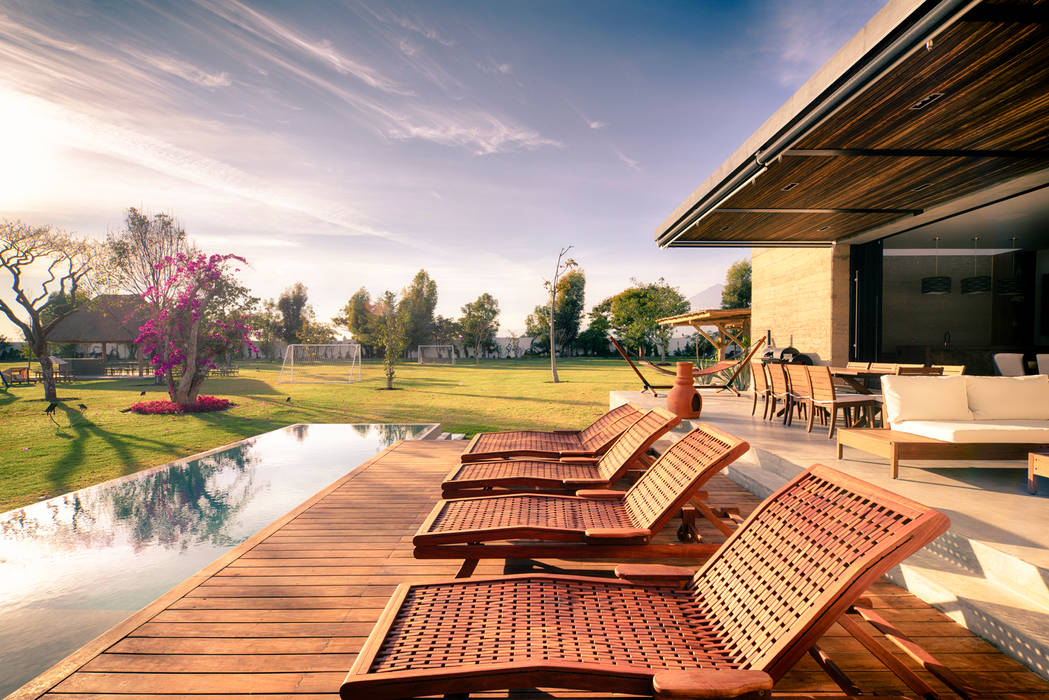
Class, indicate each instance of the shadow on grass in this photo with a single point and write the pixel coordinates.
(83, 428)
(239, 386)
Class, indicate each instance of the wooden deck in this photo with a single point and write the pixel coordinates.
(284, 613)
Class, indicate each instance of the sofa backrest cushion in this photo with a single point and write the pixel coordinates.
(925, 398)
(1005, 398)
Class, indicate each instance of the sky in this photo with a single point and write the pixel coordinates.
(348, 144)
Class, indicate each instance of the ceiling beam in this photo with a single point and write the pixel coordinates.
(1008, 12)
(721, 210)
(911, 153)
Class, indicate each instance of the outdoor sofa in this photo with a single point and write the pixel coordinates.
(957, 417)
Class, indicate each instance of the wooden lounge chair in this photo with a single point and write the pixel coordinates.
(739, 364)
(592, 441)
(592, 523)
(568, 476)
(795, 567)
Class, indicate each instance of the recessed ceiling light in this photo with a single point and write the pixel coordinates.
(789, 186)
(927, 100)
(923, 186)
(724, 228)
(823, 228)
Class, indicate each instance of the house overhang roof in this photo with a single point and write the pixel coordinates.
(931, 103)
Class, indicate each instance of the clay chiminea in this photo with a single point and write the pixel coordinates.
(683, 400)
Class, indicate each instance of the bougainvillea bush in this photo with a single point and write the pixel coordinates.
(198, 316)
(203, 404)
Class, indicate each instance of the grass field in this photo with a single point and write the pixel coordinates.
(39, 459)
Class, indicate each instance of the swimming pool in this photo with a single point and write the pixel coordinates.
(73, 566)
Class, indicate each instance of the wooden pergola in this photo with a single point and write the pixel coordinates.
(111, 319)
(731, 325)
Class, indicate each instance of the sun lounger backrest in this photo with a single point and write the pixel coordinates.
(801, 558)
(682, 469)
(599, 434)
(637, 438)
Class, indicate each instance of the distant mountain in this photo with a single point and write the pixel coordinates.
(709, 298)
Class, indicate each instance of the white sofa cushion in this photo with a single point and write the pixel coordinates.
(924, 398)
(1003, 398)
(1023, 431)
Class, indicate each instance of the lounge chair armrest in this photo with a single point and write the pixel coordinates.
(584, 485)
(711, 683)
(617, 535)
(580, 460)
(600, 493)
(654, 574)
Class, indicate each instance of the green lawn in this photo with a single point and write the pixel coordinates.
(39, 460)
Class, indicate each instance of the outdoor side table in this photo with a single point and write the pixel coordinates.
(1037, 465)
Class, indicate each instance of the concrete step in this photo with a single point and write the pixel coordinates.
(1014, 623)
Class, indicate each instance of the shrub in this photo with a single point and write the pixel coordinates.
(203, 404)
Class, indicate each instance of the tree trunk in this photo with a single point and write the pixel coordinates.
(47, 372)
(553, 347)
(189, 383)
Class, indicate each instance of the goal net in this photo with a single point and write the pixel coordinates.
(329, 362)
(436, 355)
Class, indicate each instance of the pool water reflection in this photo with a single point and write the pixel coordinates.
(73, 566)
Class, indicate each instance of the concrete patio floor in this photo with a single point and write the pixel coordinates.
(989, 572)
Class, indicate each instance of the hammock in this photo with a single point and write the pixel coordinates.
(738, 364)
(697, 371)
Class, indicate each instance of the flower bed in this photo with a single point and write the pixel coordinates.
(204, 404)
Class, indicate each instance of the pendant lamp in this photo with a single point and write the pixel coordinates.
(937, 284)
(977, 284)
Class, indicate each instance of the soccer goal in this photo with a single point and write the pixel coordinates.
(317, 363)
(436, 355)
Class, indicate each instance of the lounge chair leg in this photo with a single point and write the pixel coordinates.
(714, 518)
(687, 532)
(467, 569)
(834, 671)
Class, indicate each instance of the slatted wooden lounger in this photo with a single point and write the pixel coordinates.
(593, 523)
(795, 567)
(592, 441)
(565, 476)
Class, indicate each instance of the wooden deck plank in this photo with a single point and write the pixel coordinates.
(283, 614)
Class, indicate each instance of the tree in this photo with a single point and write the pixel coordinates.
(479, 323)
(390, 333)
(135, 256)
(418, 301)
(293, 307)
(594, 340)
(567, 316)
(203, 316)
(635, 310)
(448, 331)
(563, 264)
(359, 319)
(63, 260)
(736, 294)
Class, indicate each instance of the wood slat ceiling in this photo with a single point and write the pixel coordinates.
(994, 76)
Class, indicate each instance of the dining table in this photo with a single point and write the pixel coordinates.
(857, 378)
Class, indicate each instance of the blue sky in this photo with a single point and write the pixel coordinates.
(347, 144)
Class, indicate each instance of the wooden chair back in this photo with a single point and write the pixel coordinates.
(953, 370)
(800, 386)
(778, 379)
(634, 441)
(821, 382)
(757, 372)
(801, 559)
(918, 371)
(886, 367)
(665, 486)
(858, 365)
(596, 436)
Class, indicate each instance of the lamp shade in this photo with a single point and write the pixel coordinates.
(940, 284)
(980, 284)
(1009, 287)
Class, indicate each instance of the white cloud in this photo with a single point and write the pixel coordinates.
(181, 69)
(631, 163)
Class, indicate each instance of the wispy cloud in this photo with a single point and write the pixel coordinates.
(630, 162)
(389, 17)
(181, 69)
(592, 123)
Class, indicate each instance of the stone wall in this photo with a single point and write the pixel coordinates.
(802, 296)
